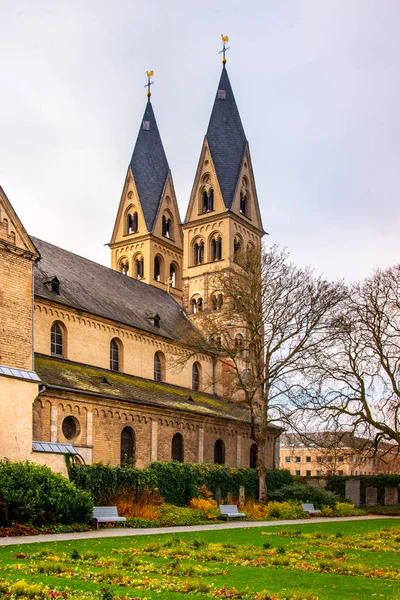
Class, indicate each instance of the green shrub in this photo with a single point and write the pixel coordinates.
(33, 494)
(177, 482)
(305, 494)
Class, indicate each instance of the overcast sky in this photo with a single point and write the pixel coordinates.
(317, 83)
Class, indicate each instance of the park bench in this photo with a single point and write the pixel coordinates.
(230, 511)
(309, 508)
(107, 514)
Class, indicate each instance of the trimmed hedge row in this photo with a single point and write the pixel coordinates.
(176, 482)
(31, 493)
(337, 484)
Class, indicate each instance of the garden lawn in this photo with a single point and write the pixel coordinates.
(343, 560)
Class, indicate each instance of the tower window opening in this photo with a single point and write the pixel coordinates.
(243, 204)
(217, 302)
(124, 268)
(133, 223)
(195, 377)
(166, 227)
(194, 306)
(172, 275)
(221, 94)
(216, 248)
(200, 304)
(208, 200)
(198, 253)
(146, 125)
(237, 246)
(157, 269)
(139, 268)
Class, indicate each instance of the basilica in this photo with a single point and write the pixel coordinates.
(86, 351)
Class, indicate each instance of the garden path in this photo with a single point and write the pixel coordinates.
(126, 531)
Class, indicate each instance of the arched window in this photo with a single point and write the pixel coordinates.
(216, 248)
(139, 264)
(177, 447)
(198, 255)
(57, 343)
(127, 447)
(115, 355)
(132, 224)
(124, 267)
(219, 452)
(166, 226)
(253, 456)
(172, 275)
(243, 203)
(194, 306)
(196, 377)
(159, 366)
(157, 269)
(208, 200)
(237, 246)
(217, 301)
(239, 344)
(200, 304)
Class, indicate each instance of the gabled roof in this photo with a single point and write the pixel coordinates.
(226, 139)
(76, 377)
(90, 287)
(149, 166)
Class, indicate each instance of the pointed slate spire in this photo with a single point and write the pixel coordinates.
(226, 139)
(149, 166)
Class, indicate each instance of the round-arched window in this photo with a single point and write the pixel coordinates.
(127, 446)
(253, 456)
(219, 452)
(196, 377)
(177, 447)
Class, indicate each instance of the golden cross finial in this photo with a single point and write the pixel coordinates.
(149, 83)
(225, 39)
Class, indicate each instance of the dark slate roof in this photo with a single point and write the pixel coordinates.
(226, 139)
(90, 287)
(120, 386)
(149, 167)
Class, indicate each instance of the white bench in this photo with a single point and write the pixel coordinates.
(107, 514)
(309, 508)
(230, 510)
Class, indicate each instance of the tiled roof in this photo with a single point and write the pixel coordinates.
(120, 386)
(226, 139)
(88, 286)
(149, 166)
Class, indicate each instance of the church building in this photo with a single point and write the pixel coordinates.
(87, 352)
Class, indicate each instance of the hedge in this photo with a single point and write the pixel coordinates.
(32, 493)
(176, 482)
(306, 494)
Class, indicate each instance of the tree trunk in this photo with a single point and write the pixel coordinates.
(262, 473)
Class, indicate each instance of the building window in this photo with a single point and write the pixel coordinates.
(166, 226)
(308, 473)
(197, 305)
(157, 268)
(115, 355)
(308, 459)
(237, 246)
(127, 447)
(198, 252)
(216, 248)
(217, 301)
(298, 459)
(243, 203)
(319, 459)
(172, 275)
(159, 361)
(219, 452)
(298, 472)
(208, 201)
(56, 339)
(177, 447)
(287, 459)
(195, 377)
(341, 459)
(132, 224)
(124, 267)
(340, 472)
(139, 267)
(70, 427)
(253, 456)
(239, 344)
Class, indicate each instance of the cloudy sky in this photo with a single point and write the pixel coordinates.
(317, 83)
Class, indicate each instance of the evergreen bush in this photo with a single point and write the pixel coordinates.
(305, 494)
(31, 493)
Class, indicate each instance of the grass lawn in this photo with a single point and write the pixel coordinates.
(344, 560)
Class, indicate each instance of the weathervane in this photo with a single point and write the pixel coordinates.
(225, 39)
(149, 83)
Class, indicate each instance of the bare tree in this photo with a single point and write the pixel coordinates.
(359, 373)
(267, 321)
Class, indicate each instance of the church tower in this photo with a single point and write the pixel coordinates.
(223, 216)
(147, 239)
